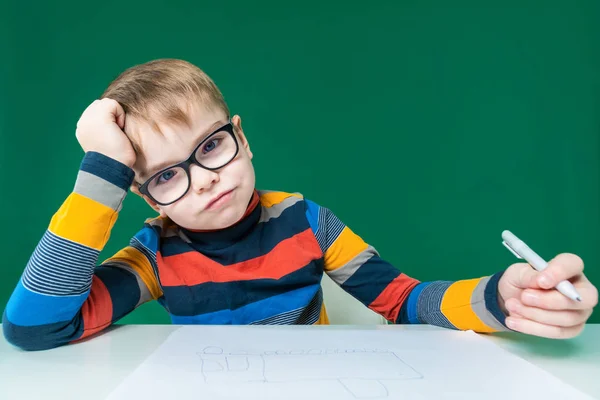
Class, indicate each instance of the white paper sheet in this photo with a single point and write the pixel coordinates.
(207, 362)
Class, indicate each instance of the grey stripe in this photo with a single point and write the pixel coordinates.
(329, 228)
(334, 228)
(430, 302)
(145, 294)
(54, 242)
(313, 310)
(43, 286)
(478, 305)
(59, 277)
(342, 274)
(54, 270)
(276, 209)
(285, 318)
(100, 190)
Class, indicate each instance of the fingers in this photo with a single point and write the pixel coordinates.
(554, 300)
(562, 267)
(522, 275)
(549, 331)
(564, 318)
(116, 110)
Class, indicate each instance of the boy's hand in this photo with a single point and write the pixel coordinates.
(100, 129)
(536, 308)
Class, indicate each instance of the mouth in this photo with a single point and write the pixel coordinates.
(219, 200)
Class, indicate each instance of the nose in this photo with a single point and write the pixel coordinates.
(202, 179)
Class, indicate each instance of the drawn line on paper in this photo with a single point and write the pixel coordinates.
(360, 372)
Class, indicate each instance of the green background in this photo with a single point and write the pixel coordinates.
(427, 128)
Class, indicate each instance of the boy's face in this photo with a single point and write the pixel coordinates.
(215, 199)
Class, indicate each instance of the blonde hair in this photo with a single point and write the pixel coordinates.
(162, 89)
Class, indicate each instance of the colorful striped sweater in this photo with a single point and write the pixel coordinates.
(266, 269)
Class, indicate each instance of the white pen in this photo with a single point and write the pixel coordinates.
(521, 250)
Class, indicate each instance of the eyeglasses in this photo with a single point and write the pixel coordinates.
(172, 183)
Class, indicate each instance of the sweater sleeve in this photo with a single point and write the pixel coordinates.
(358, 268)
(62, 295)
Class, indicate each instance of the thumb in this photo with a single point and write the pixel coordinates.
(523, 276)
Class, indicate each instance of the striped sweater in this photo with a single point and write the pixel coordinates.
(265, 269)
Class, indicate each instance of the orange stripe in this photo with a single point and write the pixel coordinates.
(97, 309)
(456, 306)
(389, 302)
(140, 264)
(323, 318)
(194, 268)
(347, 246)
(272, 198)
(84, 221)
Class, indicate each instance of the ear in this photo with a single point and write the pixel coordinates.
(134, 188)
(237, 123)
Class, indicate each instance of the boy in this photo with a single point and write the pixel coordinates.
(222, 252)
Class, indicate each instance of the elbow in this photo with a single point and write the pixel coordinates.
(30, 338)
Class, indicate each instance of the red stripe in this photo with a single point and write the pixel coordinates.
(193, 268)
(389, 302)
(97, 309)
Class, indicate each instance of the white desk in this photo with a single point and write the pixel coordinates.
(92, 369)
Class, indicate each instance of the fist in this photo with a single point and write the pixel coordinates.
(533, 305)
(100, 129)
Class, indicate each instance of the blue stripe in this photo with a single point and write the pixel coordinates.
(312, 215)
(256, 311)
(259, 242)
(148, 237)
(413, 299)
(216, 296)
(370, 279)
(27, 308)
(108, 169)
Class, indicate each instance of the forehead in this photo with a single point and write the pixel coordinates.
(161, 143)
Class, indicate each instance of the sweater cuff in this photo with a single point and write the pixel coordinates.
(108, 169)
(491, 299)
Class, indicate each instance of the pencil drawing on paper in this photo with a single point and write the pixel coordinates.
(360, 372)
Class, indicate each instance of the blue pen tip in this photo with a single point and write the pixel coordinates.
(578, 299)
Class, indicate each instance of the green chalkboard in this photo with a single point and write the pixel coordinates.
(428, 127)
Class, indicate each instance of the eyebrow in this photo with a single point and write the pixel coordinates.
(156, 168)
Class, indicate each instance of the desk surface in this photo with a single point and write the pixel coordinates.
(93, 368)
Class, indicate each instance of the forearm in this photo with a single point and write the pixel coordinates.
(465, 305)
(59, 275)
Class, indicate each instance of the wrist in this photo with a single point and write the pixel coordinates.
(108, 168)
(502, 303)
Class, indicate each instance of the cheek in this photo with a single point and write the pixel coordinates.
(178, 210)
(241, 172)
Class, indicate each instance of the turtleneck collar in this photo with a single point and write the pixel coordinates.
(223, 237)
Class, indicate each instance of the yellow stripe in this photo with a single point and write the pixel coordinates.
(272, 198)
(323, 318)
(83, 220)
(347, 246)
(138, 262)
(456, 306)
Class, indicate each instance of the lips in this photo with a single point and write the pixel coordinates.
(217, 198)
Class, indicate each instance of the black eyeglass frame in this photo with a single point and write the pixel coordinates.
(185, 165)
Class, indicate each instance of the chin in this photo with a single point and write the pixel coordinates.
(222, 220)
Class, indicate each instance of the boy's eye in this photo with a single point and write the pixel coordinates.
(210, 146)
(165, 176)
